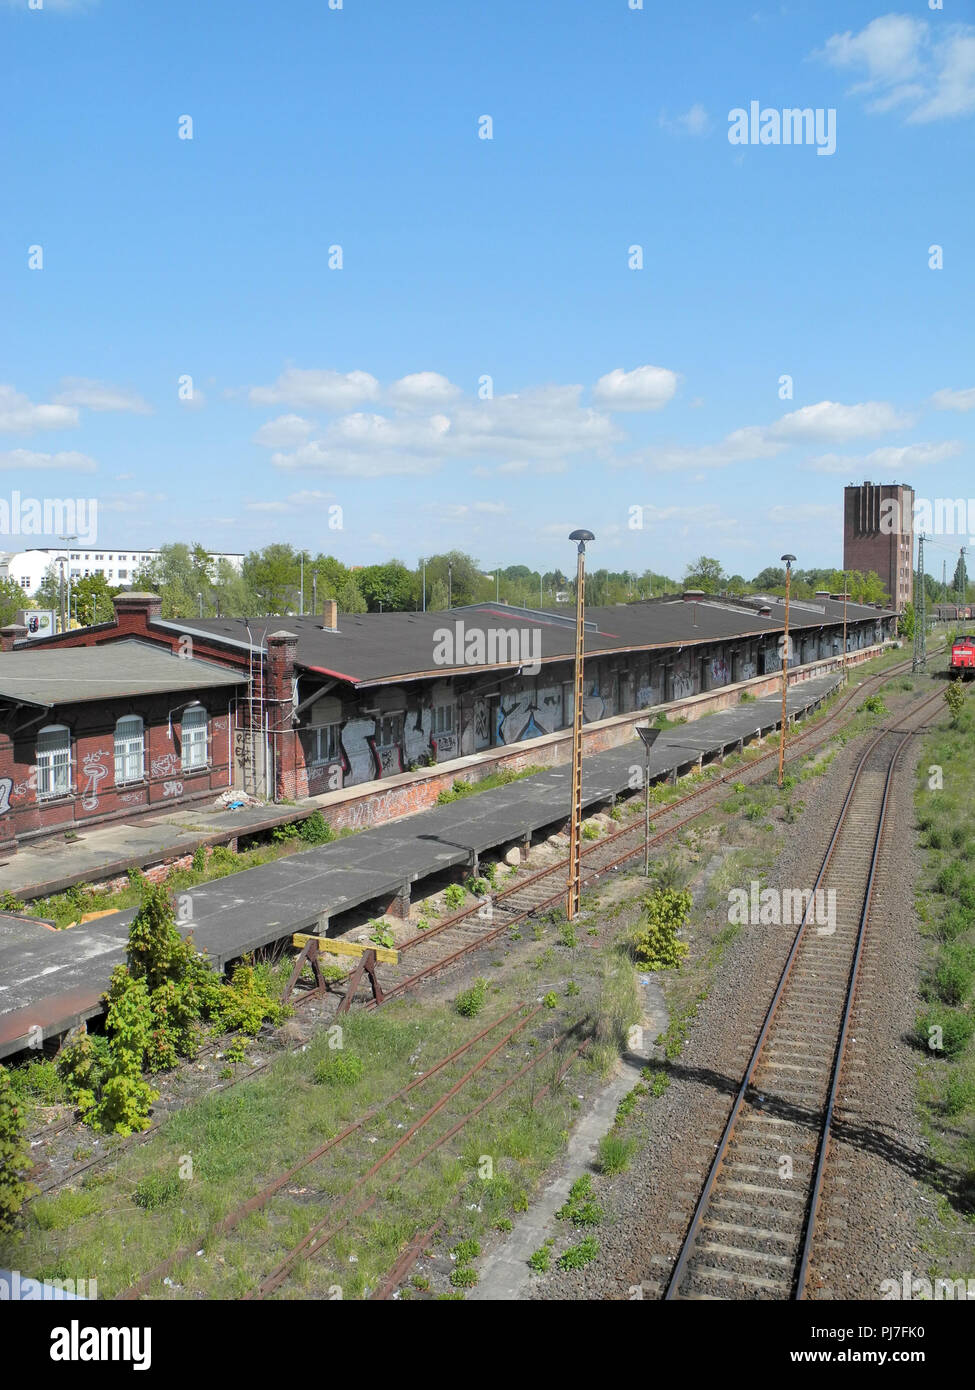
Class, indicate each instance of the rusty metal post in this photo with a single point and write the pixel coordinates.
(787, 559)
(575, 822)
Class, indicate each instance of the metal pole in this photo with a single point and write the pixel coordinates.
(450, 584)
(646, 819)
(314, 591)
(845, 597)
(788, 559)
(920, 661)
(575, 823)
(301, 585)
(424, 564)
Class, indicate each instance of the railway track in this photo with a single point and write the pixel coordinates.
(482, 1061)
(432, 953)
(753, 1229)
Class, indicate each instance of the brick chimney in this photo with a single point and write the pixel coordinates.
(134, 612)
(281, 649)
(10, 635)
(330, 615)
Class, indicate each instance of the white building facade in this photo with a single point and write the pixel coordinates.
(119, 566)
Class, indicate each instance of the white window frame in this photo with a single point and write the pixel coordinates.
(53, 764)
(324, 744)
(443, 720)
(194, 739)
(129, 748)
(390, 723)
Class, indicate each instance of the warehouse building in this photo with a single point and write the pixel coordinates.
(314, 704)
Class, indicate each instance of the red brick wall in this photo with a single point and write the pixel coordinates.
(95, 798)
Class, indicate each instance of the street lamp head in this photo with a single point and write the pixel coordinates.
(581, 537)
(787, 560)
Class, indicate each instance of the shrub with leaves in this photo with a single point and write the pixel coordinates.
(656, 942)
(339, 1068)
(470, 1002)
(14, 1154)
(954, 699)
(454, 896)
(316, 830)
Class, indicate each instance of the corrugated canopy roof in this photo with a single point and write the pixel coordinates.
(68, 675)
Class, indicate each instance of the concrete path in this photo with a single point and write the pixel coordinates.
(505, 1273)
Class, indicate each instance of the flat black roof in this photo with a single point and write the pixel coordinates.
(69, 675)
(373, 648)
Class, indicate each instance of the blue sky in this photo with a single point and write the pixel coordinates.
(464, 258)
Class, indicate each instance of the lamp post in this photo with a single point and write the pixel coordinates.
(314, 592)
(450, 584)
(199, 599)
(787, 561)
(575, 823)
(649, 737)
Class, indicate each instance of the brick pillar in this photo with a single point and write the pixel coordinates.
(281, 649)
(10, 635)
(8, 845)
(134, 612)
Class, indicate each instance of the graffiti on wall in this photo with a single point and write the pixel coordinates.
(132, 798)
(172, 789)
(748, 670)
(482, 727)
(94, 771)
(6, 785)
(720, 675)
(164, 766)
(683, 681)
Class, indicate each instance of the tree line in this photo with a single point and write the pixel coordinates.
(281, 579)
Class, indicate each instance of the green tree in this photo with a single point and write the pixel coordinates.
(349, 596)
(390, 586)
(706, 573)
(12, 599)
(272, 574)
(92, 599)
(907, 623)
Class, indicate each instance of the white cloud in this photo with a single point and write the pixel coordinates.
(826, 422)
(19, 415)
(100, 396)
(891, 460)
(325, 390)
(906, 63)
(294, 502)
(285, 431)
(693, 122)
(423, 391)
(28, 459)
(954, 400)
(645, 388)
(709, 517)
(542, 425)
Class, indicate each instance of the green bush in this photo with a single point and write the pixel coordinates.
(283, 834)
(463, 1278)
(580, 1208)
(567, 935)
(874, 704)
(959, 1093)
(339, 1068)
(956, 1030)
(454, 896)
(470, 1002)
(156, 1191)
(315, 830)
(655, 943)
(613, 1154)
(14, 1154)
(200, 859)
(955, 699)
(578, 1256)
(466, 1250)
(590, 831)
(956, 969)
(38, 1080)
(478, 886)
(541, 1260)
(381, 935)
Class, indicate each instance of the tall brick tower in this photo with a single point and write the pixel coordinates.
(878, 534)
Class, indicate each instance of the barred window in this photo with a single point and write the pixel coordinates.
(129, 750)
(53, 761)
(194, 737)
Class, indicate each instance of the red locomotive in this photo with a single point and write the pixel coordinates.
(963, 654)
